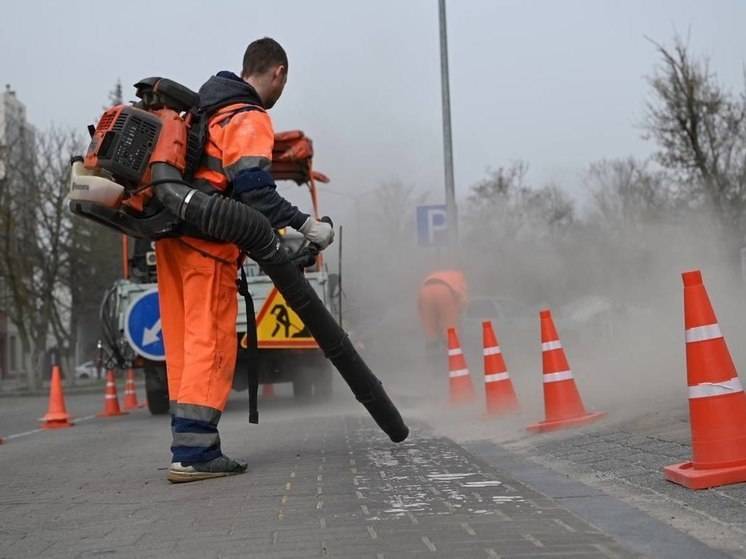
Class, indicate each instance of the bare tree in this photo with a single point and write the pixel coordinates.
(626, 192)
(489, 205)
(94, 263)
(503, 206)
(33, 227)
(500, 185)
(55, 268)
(700, 131)
(395, 204)
(551, 207)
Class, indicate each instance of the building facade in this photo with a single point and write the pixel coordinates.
(16, 152)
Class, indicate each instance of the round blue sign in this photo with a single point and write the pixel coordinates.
(142, 326)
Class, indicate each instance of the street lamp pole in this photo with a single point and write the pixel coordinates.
(447, 141)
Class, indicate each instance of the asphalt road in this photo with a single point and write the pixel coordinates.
(20, 415)
(323, 481)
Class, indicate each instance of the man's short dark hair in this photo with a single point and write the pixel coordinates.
(261, 55)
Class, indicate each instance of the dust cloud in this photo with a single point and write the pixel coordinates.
(616, 297)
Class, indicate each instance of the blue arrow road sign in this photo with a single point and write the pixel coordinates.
(432, 225)
(142, 326)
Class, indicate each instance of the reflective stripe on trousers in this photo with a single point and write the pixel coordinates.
(195, 433)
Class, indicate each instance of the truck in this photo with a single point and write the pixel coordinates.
(286, 351)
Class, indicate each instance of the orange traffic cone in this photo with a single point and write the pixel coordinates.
(717, 403)
(57, 415)
(111, 403)
(498, 388)
(563, 407)
(459, 382)
(268, 391)
(130, 392)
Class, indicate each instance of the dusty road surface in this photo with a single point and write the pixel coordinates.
(323, 481)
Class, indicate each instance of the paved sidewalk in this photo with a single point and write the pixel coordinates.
(316, 487)
(626, 458)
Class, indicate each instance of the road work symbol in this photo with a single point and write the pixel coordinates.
(282, 316)
(278, 325)
(142, 326)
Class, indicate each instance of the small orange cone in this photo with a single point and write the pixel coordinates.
(717, 403)
(111, 402)
(563, 407)
(268, 391)
(459, 382)
(57, 416)
(130, 392)
(498, 388)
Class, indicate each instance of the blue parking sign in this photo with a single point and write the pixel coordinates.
(142, 326)
(432, 225)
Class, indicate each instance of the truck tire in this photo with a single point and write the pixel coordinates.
(156, 388)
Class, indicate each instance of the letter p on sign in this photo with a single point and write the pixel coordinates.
(432, 226)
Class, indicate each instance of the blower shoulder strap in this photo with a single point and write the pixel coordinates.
(199, 135)
(252, 346)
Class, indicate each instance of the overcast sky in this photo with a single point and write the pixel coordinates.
(557, 83)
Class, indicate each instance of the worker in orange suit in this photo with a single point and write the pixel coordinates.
(197, 277)
(441, 302)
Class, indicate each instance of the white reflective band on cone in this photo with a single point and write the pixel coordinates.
(457, 351)
(556, 377)
(703, 333)
(458, 373)
(549, 346)
(110, 397)
(707, 389)
(494, 350)
(494, 377)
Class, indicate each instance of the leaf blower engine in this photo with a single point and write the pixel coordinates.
(132, 179)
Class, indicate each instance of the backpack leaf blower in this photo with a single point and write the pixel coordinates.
(132, 180)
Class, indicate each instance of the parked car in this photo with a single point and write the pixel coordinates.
(86, 370)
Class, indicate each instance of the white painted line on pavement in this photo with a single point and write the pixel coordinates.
(468, 529)
(429, 544)
(39, 430)
(18, 435)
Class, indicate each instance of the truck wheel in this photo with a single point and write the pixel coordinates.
(323, 384)
(156, 388)
(302, 387)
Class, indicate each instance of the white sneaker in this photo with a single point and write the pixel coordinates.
(217, 467)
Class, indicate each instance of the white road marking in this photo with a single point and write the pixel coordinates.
(74, 420)
(430, 545)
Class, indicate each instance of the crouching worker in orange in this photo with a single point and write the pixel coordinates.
(197, 277)
(441, 302)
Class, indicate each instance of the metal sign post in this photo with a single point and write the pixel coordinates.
(447, 141)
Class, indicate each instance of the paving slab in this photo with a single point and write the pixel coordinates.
(636, 529)
(318, 486)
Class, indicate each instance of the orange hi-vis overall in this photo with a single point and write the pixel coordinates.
(441, 301)
(197, 290)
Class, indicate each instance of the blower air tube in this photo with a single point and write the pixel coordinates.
(230, 221)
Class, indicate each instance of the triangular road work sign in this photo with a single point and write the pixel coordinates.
(278, 326)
